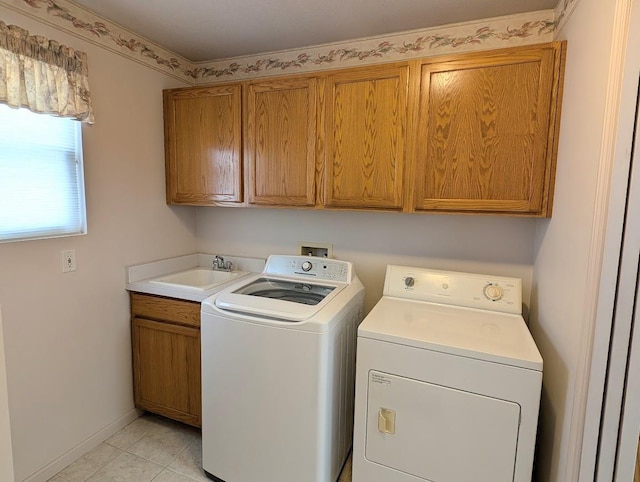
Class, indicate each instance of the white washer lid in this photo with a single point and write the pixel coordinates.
(485, 335)
(232, 299)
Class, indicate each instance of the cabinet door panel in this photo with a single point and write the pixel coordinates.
(166, 360)
(365, 129)
(203, 145)
(484, 139)
(281, 142)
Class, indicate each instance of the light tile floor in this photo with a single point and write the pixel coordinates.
(149, 448)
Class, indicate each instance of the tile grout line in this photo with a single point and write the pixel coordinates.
(188, 446)
(173, 472)
(99, 467)
(164, 467)
(104, 465)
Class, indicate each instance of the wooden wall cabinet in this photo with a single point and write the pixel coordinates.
(203, 145)
(486, 135)
(166, 357)
(280, 149)
(468, 133)
(365, 125)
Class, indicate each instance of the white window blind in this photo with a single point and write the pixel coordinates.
(41, 176)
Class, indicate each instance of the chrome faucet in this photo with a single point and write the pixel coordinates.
(219, 264)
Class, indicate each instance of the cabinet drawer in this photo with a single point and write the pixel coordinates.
(165, 309)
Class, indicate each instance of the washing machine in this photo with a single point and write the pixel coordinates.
(278, 372)
(448, 381)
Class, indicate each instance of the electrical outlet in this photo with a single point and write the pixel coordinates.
(68, 260)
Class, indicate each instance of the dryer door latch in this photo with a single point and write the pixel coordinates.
(387, 421)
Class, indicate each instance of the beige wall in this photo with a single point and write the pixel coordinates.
(67, 336)
(482, 244)
(564, 246)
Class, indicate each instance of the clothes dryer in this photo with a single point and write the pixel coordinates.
(448, 381)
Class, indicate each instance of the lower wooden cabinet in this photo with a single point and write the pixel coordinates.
(166, 357)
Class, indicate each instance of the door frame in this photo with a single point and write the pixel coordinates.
(602, 455)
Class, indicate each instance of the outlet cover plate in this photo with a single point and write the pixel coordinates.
(68, 260)
(320, 250)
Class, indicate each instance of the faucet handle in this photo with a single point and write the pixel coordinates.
(218, 262)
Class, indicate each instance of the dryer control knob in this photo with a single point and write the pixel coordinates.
(306, 266)
(493, 292)
(409, 281)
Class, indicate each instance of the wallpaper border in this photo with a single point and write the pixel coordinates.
(499, 32)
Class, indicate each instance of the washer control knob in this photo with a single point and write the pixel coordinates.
(306, 266)
(493, 292)
(409, 281)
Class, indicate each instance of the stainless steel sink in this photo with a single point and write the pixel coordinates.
(198, 278)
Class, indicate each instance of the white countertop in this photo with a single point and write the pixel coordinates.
(139, 276)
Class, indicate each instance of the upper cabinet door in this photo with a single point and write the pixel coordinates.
(203, 145)
(487, 131)
(365, 131)
(280, 143)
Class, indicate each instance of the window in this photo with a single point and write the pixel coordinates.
(41, 176)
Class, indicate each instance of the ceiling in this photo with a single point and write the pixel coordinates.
(206, 30)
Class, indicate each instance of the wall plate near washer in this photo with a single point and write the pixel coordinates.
(320, 250)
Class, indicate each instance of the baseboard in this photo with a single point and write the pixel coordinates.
(51, 469)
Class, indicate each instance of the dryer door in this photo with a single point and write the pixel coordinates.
(438, 433)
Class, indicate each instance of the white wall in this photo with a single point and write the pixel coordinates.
(6, 453)
(67, 336)
(562, 293)
(371, 240)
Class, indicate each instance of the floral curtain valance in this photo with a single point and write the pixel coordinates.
(43, 76)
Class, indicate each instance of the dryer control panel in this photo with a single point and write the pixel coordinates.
(471, 290)
(309, 267)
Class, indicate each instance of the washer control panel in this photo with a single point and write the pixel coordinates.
(309, 267)
(455, 288)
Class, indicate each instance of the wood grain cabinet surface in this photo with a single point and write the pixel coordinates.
(166, 357)
(486, 136)
(280, 149)
(468, 133)
(364, 137)
(203, 145)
